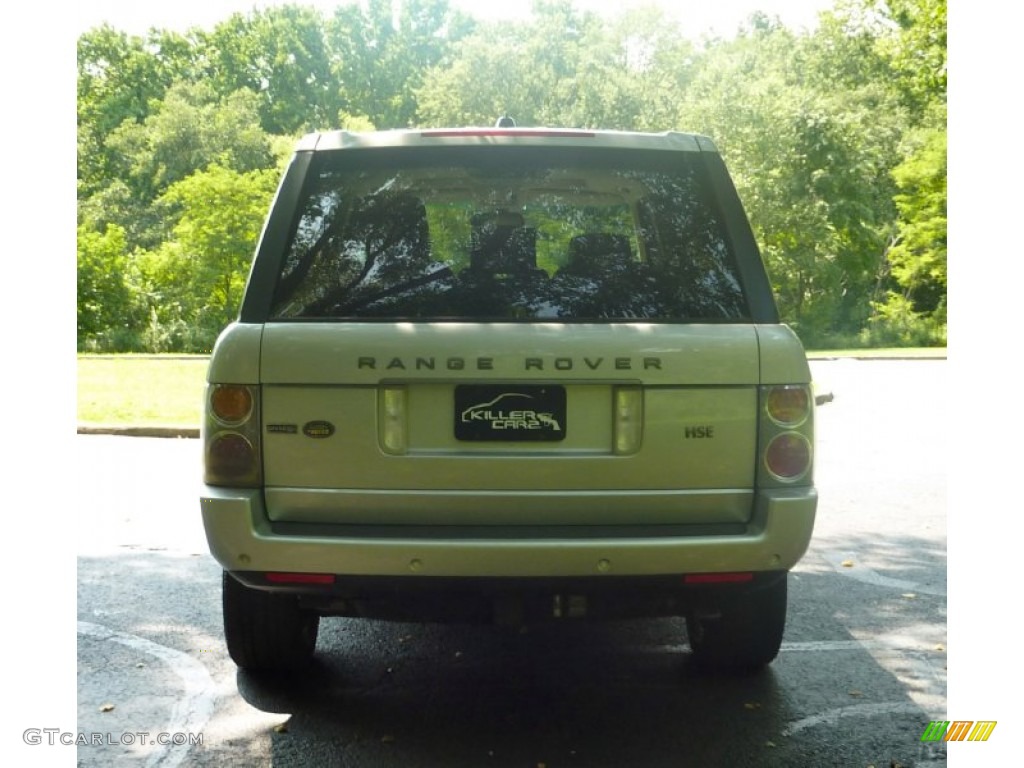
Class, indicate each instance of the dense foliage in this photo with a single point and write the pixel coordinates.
(836, 139)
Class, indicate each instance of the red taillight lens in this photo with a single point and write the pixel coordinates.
(230, 457)
(788, 456)
(788, 406)
(300, 578)
(230, 403)
(718, 578)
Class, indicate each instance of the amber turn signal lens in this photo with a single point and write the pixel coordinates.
(231, 403)
(789, 406)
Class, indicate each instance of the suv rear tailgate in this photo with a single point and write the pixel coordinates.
(360, 423)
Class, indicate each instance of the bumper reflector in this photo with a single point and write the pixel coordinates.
(300, 578)
(717, 578)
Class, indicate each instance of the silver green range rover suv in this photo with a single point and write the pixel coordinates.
(507, 375)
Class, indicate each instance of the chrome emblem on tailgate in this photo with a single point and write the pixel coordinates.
(318, 429)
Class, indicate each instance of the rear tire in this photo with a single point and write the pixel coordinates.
(265, 630)
(744, 633)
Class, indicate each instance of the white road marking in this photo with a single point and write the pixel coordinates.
(822, 646)
(868, 576)
(191, 712)
(825, 645)
(833, 716)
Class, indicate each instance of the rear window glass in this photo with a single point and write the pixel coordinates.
(507, 233)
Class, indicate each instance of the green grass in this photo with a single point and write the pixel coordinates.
(167, 390)
(140, 390)
(894, 353)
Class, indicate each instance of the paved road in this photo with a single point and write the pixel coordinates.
(862, 671)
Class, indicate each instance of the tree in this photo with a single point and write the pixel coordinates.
(912, 307)
(560, 68)
(382, 48)
(916, 49)
(195, 278)
(917, 258)
(280, 55)
(649, 64)
(120, 78)
(104, 296)
(190, 130)
(810, 150)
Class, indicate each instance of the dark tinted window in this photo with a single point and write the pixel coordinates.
(509, 233)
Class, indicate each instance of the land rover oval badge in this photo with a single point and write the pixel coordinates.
(318, 429)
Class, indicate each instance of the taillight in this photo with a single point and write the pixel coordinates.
(231, 436)
(788, 457)
(230, 404)
(718, 578)
(300, 578)
(787, 434)
(788, 406)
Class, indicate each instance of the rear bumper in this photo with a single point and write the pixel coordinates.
(241, 538)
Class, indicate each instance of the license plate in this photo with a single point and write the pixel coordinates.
(509, 413)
